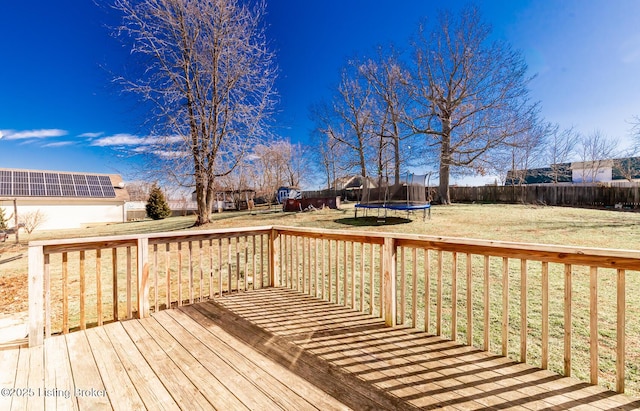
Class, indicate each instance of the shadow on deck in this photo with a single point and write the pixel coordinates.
(277, 349)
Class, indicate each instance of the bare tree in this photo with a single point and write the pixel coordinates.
(139, 190)
(561, 148)
(348, 120)
(274, 164)
(389, 81)
(470, 95)
(521, 153)
(596, 153)
(210, 74)
(31, 220)
(327, 153)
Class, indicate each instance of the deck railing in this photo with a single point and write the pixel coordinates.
(565, 308)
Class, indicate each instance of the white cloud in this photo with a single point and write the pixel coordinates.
(118, 140)
(26, 134)
(91, 135)
(131, 140)
(58, 144)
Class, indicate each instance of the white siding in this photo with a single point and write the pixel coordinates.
(61, 216)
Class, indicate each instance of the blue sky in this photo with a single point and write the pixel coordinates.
(59, 110)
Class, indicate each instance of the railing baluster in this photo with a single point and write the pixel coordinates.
(544, 364)
(167, 260)
(65, 294)
(567, 320)
(238, 251)
(330, 269)
(371, 280)
(114, 266)
(155, 278)
(229, 268)
(315, 267)
(523, 311)
(427, 289)
(469, 300)
(200, 256)
(414, 287)
(439, 294)
(179, 274)
(361, 277)
(487, 288)
(353, 275)
(505, 306)
(47, 290)
(593, 324)
(83, 293)
(190, 269)
(620, 329)
(129, 291)
(253, 262)
(324, 268)
(99, 285)
(211, 291)
(220, 266)
(454, 296)
(403, 288)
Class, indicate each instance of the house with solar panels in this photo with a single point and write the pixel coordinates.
(64, 199)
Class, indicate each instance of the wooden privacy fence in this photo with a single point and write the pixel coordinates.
(561, 195)
(567, 309)
(549, 194)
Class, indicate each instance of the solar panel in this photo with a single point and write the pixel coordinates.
(21, 183)
(48, 184)
(107, 186)
(6, 183)
(52, 184)
(36, 184)
(82, 189)
(94, 186)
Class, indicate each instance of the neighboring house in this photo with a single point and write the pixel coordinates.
(63, 199)
(618, 171)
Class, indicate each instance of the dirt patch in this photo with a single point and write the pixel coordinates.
(14, 290)
(14, 295)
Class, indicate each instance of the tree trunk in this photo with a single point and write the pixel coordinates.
(444, 183)
(201, 199)
(445, 161)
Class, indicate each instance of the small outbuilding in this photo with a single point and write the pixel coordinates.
(63, 199)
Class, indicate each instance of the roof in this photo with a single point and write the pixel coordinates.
(49, 185)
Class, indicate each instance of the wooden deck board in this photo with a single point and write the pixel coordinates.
(178, 384)
(122, 392)
(424, 371)
(279, 349)
(58, 377)
(152, 392)
(280, 386)
(8, 371)
(88, 387)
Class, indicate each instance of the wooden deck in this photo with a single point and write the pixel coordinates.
(277, 349)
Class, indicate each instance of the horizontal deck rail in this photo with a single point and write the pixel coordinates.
(555, 307)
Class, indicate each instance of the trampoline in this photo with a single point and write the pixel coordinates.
(408, 194)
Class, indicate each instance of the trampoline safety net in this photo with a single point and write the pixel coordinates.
(409, 191)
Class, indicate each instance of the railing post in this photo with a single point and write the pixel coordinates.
(36, 296)
(143, 276)
(389, 257)
(274, 258)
